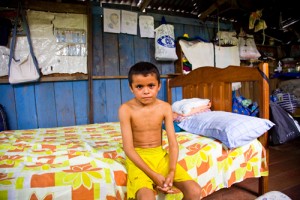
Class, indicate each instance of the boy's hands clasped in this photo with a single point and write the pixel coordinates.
(164, 184)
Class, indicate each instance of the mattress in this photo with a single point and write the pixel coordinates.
(87, 162)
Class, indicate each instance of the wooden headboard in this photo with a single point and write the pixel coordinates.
(216, 84)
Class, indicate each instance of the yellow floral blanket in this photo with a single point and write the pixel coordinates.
(87, 162)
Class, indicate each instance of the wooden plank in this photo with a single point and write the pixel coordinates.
(7, 100)
(177, 94)
(90, 66)
(141, 49)
(99, 101)
(98, 68)
(113, 99)
(25, 106)
(126, 93)
(81, 102)
(45, 105)
(162, 94)
(190, 30)
(54, 77)
(64, 103)
(293, 192)
(152, 59)
(204, 34)
(48, 6)
(111, 54)
(178, 30)
(167, 67)
(126, 50)
(291, 171)
(151, 42)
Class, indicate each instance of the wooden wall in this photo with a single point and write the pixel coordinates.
(65, 103)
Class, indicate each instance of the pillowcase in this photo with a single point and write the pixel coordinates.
(233, 130)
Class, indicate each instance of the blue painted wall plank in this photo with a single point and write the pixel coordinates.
(162, 94)
(64, 103)
(167, 67)
(80, 93)
(111, 54)
(178, 30)
(7, 100)
(191, 31)
(141, 49)
(126, 50)
(99, 101)
(126, 93)
(113, 99)
(26, 106)
(152, 49)
(176, 94)
(98, 68)
(158, 64)
(45, 105)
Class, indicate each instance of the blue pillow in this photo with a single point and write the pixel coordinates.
(232, 129)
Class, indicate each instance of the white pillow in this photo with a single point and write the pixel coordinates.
(232, 129)
(185, 106)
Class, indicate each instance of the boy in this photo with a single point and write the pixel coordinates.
(148, 165)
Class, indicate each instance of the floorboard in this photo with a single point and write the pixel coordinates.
(284, 176)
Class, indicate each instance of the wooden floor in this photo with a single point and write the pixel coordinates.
(284, 176)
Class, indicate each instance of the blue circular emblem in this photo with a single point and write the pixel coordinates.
(166, 41)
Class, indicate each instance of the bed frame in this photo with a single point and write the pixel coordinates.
(215, 84)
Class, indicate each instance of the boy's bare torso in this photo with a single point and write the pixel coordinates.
(146, 123)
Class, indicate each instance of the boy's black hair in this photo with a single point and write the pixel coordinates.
(143, 68)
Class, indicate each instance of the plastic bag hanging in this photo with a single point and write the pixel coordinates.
(165, 48)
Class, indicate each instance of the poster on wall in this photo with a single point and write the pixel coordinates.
(146, 24)
(129, 22)
(60, 41)
(111, 20)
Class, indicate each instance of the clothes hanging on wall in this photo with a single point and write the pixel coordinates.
(201, 54)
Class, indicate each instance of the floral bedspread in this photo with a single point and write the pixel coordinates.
(87, 162)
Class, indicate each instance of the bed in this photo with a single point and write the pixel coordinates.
(87, 161)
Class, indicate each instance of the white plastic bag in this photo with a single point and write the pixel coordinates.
(165, 49)
(247, 48)
(23, 71)
(27, 69)
(227, 38)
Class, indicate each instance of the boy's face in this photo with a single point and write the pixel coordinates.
(145, 88)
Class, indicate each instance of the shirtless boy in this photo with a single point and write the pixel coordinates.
(148, 165)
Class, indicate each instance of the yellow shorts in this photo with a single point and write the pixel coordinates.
(158, 160)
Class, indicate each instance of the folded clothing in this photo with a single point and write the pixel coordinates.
(188, 107)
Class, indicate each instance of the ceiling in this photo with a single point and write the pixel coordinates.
(282, 17)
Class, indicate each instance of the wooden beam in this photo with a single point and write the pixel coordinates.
(211, 9)
(55, 7)
(144, 4)
(90, 63)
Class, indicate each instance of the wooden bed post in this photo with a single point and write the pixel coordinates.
(264, 139)
(169, 92)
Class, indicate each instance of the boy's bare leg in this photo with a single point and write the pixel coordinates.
(145, 194)
(190, 189)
